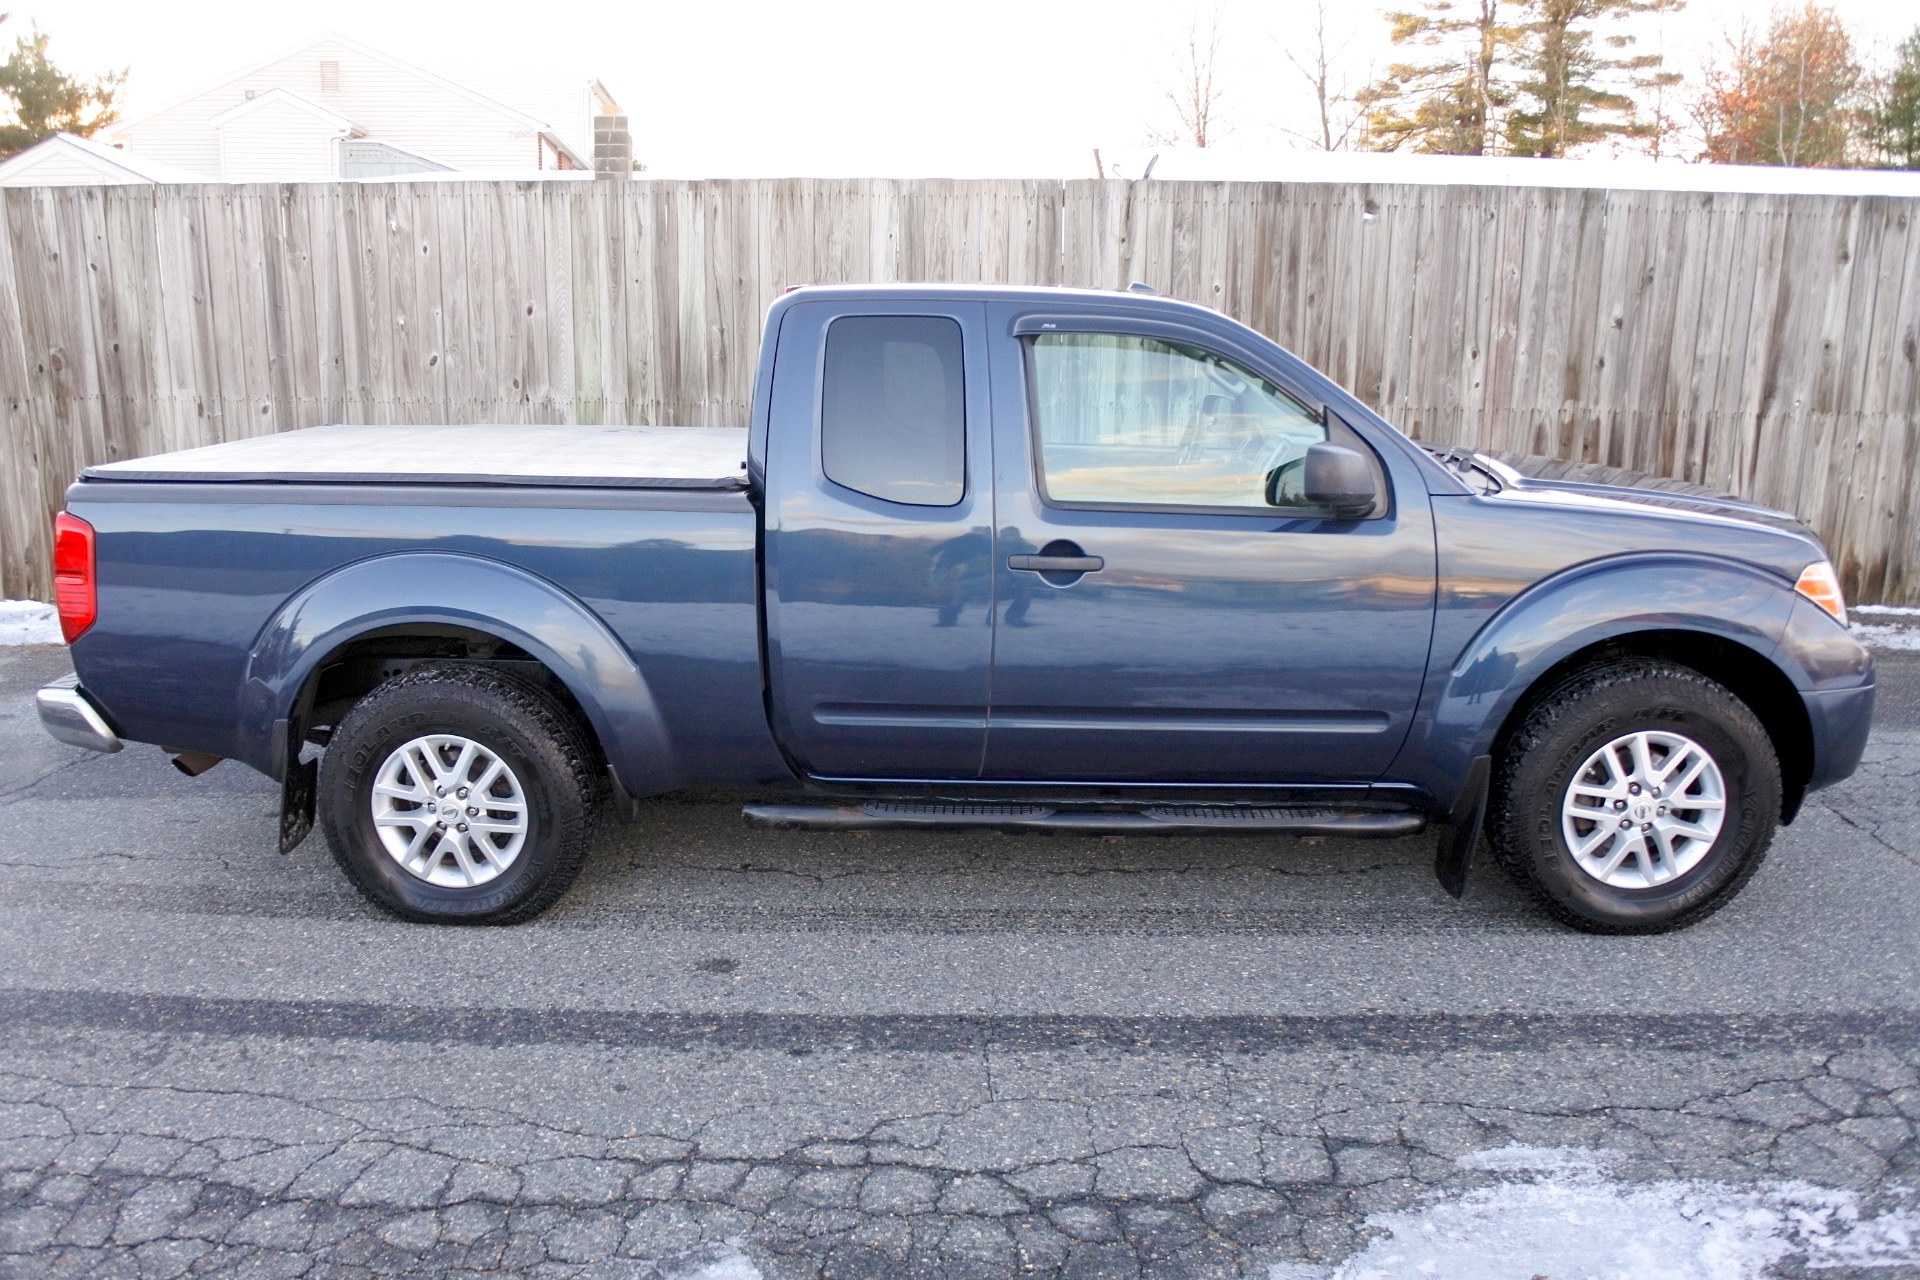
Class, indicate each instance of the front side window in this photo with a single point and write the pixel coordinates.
(893, 419)
(1132, 421)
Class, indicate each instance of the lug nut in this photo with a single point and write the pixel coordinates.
(1662, 811)
(462, 793)
(1645, 826)
(1619, 804)
(1625, 823)
(474, 813)
(1633, 789)
(439, 791)
(1656, 793)
(463, 826)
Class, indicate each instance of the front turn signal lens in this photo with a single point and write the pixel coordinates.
(1820, 584)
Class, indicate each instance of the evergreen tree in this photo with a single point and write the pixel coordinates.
(44, 100)
(1579, 78)
(1896, 108)
(1448, 104)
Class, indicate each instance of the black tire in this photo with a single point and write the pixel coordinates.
(525, 727)
(1588, 710)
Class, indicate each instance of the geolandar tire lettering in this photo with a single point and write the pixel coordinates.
(1638, 796)
(456, 794)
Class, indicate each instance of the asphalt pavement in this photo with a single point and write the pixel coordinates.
(732, 1053)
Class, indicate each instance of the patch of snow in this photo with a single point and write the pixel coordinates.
(1879, 637)
(1900, 630)
(29, 622)
(727, 1262)
(1579, 1163)
(1558, 1212)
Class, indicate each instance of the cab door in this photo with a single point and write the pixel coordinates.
(1160, 620)
(878, 543)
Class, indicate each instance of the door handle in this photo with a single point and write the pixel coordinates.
(1057, 564)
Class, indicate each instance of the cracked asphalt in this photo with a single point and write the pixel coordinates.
(732, 1053)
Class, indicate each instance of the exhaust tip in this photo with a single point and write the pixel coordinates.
(195, 763)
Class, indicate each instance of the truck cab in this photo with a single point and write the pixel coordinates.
(1069, 544)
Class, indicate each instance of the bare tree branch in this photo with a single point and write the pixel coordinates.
(1195, 99)
(1329, 94)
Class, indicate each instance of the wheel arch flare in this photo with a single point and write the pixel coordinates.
(428, 591)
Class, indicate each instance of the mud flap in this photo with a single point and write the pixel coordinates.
(1462, 832)
(296, 802)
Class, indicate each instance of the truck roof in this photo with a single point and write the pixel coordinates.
(1040, 294)
(620, 457)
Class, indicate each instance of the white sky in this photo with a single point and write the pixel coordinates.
(827, 87)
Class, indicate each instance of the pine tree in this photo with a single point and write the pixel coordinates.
(1896, 108)
(45, 100)
(1579, 80)
(1450, 103)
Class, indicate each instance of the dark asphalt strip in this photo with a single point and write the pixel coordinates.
(1358, 919)
(945, 1033)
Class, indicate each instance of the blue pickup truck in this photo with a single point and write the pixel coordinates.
(1022, 559)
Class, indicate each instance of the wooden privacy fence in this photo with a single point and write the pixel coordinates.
(1764, 345)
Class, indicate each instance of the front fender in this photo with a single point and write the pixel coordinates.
(1469, 699)
(463, 591)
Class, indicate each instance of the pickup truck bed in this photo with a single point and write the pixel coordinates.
(628, 549)
(595, 457)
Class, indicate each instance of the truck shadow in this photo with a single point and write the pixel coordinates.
(691, 855)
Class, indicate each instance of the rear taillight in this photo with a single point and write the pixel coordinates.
(73, 585)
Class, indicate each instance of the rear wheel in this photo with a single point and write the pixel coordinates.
(455, 794)
(1638, 796)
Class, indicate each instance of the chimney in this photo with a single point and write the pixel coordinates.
(612, 140)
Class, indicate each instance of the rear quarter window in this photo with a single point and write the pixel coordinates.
(893, 410)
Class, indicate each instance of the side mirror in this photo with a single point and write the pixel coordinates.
(1330, 476)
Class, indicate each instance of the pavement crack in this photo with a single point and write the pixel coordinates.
(12, 794)
(1872, 833)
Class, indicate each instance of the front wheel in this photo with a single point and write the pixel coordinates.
(1638, 796)
(454, 794)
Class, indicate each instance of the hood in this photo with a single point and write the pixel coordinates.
(1572, 484)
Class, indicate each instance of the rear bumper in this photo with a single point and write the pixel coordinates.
(68, 714)
(1840, 720)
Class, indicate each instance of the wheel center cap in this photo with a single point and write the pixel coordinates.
(448, 809)
(1642, 811)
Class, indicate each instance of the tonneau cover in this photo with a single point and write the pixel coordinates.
(585, 456)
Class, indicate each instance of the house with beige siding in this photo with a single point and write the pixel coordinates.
(333, 108)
